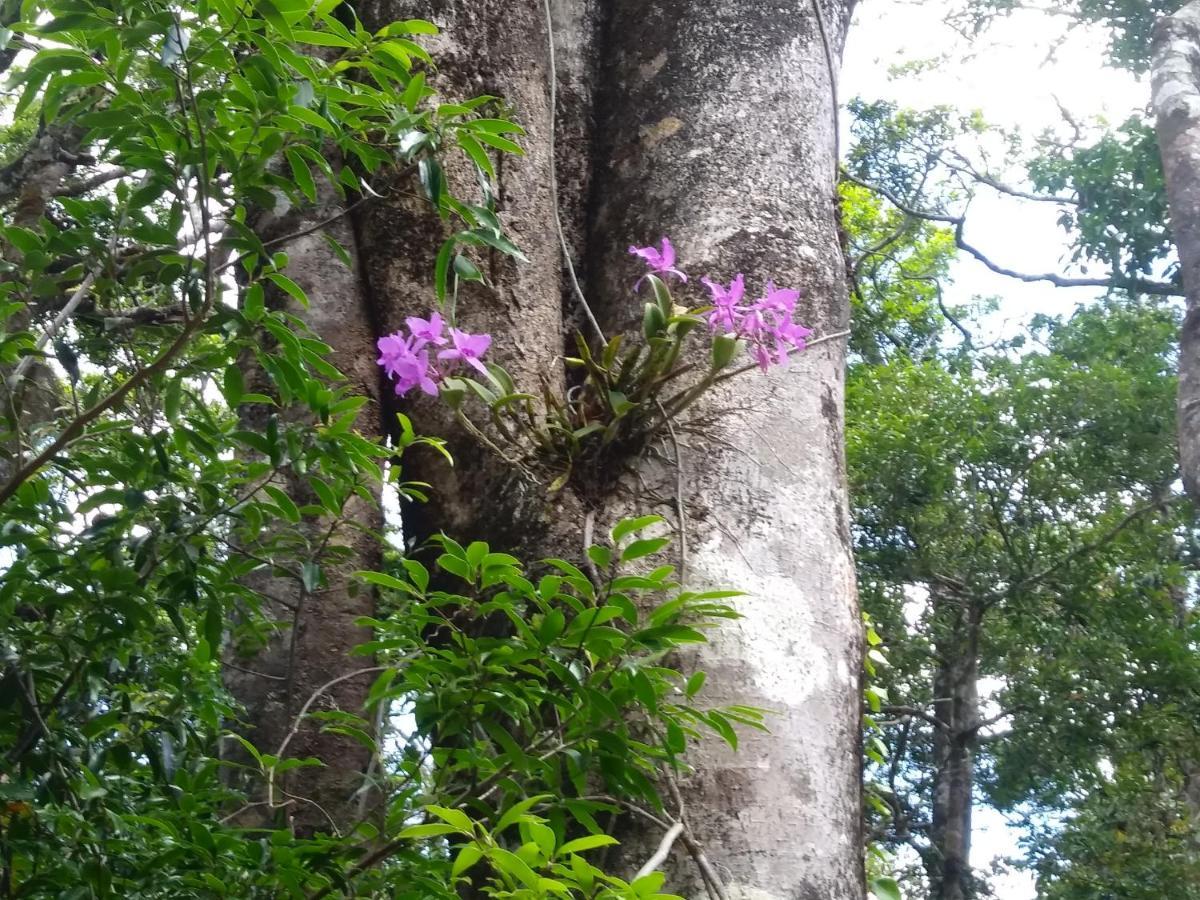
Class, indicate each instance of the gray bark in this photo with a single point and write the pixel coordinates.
(499, 48)
(717, 130)
(1175, 80)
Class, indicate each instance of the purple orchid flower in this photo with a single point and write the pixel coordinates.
(467, 348)
(727, 312)
(660, 261)
(780, 300)
(761, 355)
(392, 350)
(427, 331)
(789, 334)
(403, 361)
(415, 371)
(754, 326)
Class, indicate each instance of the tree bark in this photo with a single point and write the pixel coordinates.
(1176, 99)
(496, 47)
(713, 124)
(717, 125)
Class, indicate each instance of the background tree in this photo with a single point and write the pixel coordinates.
(1043, 544)
(1104, 690)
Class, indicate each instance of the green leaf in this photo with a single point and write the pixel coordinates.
(233, 386)
(653, 321)
(409, 26)
(431, 829)
(644, 547)
(441, 269)
(885, 888)
(285, 503)
(724, 347)
(383, 580)
(478, 155)
(301, 173)
(495, 126)
(253, 305)
(308, 117)
(626, 527)
(322, 39)
(466, 858)
(271, 12)
(513, 865)
(455, 817)
(590, 842)
(282, 281)
(500, 143)
(513, 814)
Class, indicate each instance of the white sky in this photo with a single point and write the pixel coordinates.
(1010, 75)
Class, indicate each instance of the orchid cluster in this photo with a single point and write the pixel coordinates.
(766, 325)
(622, 392)
(405, 354)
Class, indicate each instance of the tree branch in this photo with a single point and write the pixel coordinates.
(82, 185)
(916, 712)
(1082, 550)
(1139, 285)
(664, 849)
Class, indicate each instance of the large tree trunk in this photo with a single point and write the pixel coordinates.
(498, 48)
(1176, 98)
(715, 125)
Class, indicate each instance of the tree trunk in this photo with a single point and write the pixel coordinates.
(496, 47)
(956, 707)
(717, 129)
(308, 661)
(1176, 100)
(713, 123)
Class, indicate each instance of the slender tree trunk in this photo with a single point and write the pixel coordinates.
(1176, 99)
(28, 403)
(714, 124)
(307, 660)
(956, 706)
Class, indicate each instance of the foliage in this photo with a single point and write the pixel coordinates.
(1106, 182)
(902, 149)
(1129, 22)
(196, 437)
(897, 266)
(1029, 488)
(879, 862)
(1120, 218)
(1037, 492)
(1133, 837)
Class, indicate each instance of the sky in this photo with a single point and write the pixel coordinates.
(1013, 73)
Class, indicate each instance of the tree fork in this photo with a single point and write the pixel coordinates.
(684, 95)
